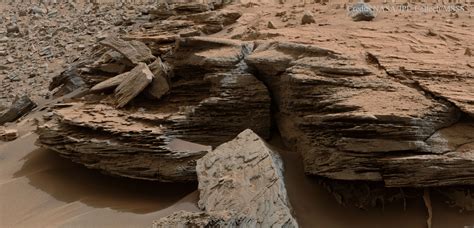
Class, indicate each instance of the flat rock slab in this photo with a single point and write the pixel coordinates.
(159, 86)
(133, 84)
(20, 107)
(135, 51)
(448, 80)
(240, 184)
(208, 54)
(121, 143)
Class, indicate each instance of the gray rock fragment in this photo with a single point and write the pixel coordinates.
(20, 107)
(307, 18)
(361, 12)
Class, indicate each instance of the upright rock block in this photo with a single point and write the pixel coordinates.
(135, 82)
(241, 185)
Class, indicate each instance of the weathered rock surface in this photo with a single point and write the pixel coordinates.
(204, 219)
(49, 38)
(110, 83)
(158, 87)
(161, 80)
(135, 51)
(208, 54)
(353, 121)
(183, 20)
(66, 82)
(240, 185)
(449, 81)
(21, 106)
(202, 107)
(8, 134)
(133, 84)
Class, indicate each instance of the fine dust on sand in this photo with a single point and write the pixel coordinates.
(40, 189)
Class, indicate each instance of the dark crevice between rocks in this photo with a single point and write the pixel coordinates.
(273, 106)
(360, 194)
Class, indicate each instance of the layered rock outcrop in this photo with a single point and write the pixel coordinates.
(210, 101)
(351, 120)
(370, 117)
(174, 21)
(353, 117)
(240, 185)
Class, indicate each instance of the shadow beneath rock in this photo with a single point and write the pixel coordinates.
(315, 206)
(69, 182)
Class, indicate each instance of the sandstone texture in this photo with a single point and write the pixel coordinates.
(378, 103)
(240, 185)
(353, 116)
(372, 103)
(353, 120)
(210, 101)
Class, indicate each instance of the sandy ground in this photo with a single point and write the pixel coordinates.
(40, 189)
(314, 207)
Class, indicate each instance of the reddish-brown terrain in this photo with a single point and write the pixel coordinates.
(252, 114)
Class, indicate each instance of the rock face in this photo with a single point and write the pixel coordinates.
(351, 120)
(447, 81)
(136, 81)
(183, 20)
(161, 80)
(135, 51)
(211, 100)
(240, 185)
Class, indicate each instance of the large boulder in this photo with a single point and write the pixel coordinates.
(240, 185)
